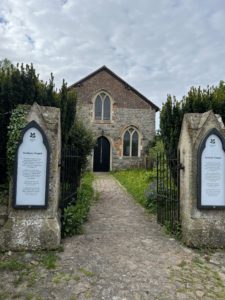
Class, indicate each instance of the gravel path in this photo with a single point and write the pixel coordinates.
(122, 255)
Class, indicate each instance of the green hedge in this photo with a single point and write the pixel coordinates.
(76, 215)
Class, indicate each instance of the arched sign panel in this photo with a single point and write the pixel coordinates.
(211, 171)
(31, 175)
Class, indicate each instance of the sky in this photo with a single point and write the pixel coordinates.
(159, 47)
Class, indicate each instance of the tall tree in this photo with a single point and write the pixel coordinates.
(197, 100)
(21, 85)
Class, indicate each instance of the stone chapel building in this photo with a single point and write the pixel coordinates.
(121, 119)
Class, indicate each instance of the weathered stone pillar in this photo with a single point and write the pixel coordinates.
(37, 226)
(202, 184)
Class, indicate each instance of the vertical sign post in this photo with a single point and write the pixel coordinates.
(31, 173)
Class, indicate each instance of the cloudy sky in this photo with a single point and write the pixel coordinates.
(157, 46)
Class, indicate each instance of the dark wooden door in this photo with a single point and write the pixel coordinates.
(102, 155)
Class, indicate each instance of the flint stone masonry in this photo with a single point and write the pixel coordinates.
(200, 227)
(34, 229)
(129, 108)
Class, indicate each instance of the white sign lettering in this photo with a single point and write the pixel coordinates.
(31, 169)
(213, 173)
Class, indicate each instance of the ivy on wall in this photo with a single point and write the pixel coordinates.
(17, 123)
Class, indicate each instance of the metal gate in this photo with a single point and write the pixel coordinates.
(70, 176)
(168, 208)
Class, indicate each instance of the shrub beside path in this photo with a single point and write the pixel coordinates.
(123, 254)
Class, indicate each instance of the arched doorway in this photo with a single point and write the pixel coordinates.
(102, 155)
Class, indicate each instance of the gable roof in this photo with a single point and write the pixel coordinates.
(104, 68)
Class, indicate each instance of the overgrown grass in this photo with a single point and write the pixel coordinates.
(49, 260)
(137, 182)
(76, 215)
(12, 265)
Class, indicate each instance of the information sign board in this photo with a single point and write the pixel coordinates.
(211, 169)
(31, 169)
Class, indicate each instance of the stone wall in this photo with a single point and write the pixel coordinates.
(34, 229)
(128, 109)
(142, 119)
(200, 227)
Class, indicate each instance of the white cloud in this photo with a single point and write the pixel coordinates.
(159, 47)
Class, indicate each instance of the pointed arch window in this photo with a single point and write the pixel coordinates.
(102, 107)
(131, 142)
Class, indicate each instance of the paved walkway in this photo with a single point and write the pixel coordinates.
(126, 251)
(122, 255)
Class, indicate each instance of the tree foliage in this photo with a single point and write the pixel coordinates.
(68, 111)
(82, 139)
(21, 85)
(197, 100)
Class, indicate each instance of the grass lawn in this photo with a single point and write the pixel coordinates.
(137, 182)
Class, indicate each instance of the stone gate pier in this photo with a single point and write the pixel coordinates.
(33, 212)
(202, 180)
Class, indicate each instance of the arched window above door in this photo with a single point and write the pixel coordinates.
(131, 142)
(102, 107)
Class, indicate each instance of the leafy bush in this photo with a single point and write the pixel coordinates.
(151, 196)
(82, 139)
(68, 111)
(156, 149)
(17, 122)
(75, 215)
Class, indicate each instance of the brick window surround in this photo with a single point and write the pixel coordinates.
(131, 142)
(102, 107)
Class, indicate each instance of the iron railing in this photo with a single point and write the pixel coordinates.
(148, 163)
(70, 176)
(168, 208)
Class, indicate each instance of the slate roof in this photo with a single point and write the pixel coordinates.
(104, 68)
